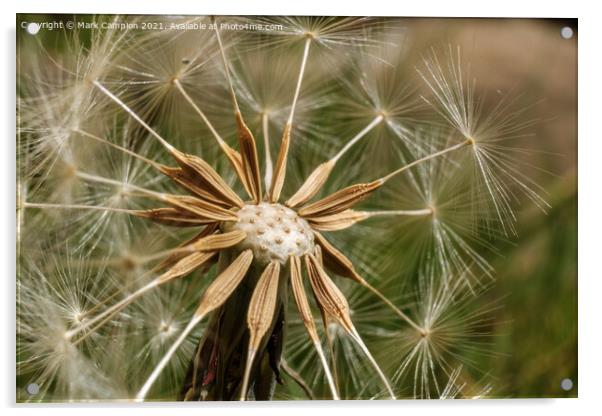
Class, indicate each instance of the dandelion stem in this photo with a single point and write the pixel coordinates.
(330, 344)
(116, 146)
(280, 172)
(105, 315)
(135, 116)
(266, 144)
(299, 79)
(297, 378)
(426, 158)
(392, 306)
(357, 137)
(161, 365)
(76, 206)
(399, 212)
(329, 377)
(245, 380)
(356, 337)
(108, 181)
(226, 68)
(219, 139)
(314, 182)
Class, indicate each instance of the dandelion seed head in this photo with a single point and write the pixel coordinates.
(495, 157)
(451, 326)
(274, 232)
(327, 31)
(150, 172)
(54, 296)
(154, 323)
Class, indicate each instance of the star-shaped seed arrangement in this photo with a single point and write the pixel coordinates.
(261, 229)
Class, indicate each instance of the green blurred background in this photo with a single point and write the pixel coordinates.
(536, 339)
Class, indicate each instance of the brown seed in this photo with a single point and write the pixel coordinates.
(334, 259)
(218, 241)
(263, 303)
(312, 184)
(220, 289)
(200, 172)
(340, 200)
(186, 265)
(328, 294)
(168, 261)
(200, 208)
(280, 168)
(261, 314)
(250, 161)
(306, 315)
(175, 217)
(301, 298)
(338, 221)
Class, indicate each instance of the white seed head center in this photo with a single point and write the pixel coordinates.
(274, 232)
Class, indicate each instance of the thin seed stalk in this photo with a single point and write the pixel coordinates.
(216, 369)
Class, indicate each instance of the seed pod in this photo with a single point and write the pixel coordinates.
(250, 161)
(201, 173)
(263, 304)
(189, 182)
(218, 241)
(340, 200)
(187, 265)
(328, 294)
(312, 184)
(177, 255)
(175, 217)
(301, 298)
(280, 169)
(260, 315)
(203, 209)
(222, 287)
(308, 320)
(338, 221)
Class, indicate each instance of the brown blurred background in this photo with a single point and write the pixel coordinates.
(536, 335)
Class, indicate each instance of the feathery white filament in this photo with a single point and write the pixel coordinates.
(201, 114)
(135, 116)
(356, 337)
(357, 137)
(329, 378)
(269, 168)
(300, 79)
(113, 309)
(161, 365)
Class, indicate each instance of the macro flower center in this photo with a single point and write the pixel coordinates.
(274, 232)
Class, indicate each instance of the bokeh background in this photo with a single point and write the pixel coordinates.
(537, 273)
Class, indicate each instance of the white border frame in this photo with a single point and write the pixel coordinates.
(590, 152)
